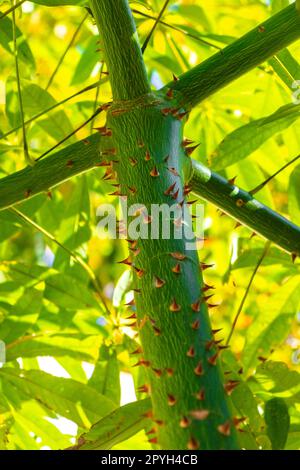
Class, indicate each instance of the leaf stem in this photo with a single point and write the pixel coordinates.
(66, 51)
(28, 159)
(155, 25)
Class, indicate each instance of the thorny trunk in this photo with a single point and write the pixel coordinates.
(190, 409)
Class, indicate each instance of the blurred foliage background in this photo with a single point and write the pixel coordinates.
(67, 361)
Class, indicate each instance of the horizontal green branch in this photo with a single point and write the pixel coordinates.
(243, 207)
(85, 155)
(49, 172)
(241, 56)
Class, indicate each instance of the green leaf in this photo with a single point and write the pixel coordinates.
(80, 347)
(294, 195)
(119, 426)
(249, 259)
(243, 141)
(278, 422)
(106, 376)
(277, 379)
(272, 324)
(63, 290)
(87, 62)
(66, 397)
(6, 38)
(35, 100)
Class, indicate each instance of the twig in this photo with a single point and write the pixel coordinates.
(28, 159)
(264, 254)
(154, 26)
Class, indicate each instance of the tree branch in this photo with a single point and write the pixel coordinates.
(85, 155)
(123, 54)
(242, 206)
(239, 57)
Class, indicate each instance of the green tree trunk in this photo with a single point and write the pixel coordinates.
(190, 409)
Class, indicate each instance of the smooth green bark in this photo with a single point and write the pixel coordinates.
(239, 57)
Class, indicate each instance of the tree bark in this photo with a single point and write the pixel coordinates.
(178, 349)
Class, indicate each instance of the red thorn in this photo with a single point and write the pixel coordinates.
(176, 269)
(144, 388)
(131, 303)
(174, 307)
(153, 440)
(205, 266)
(151, 431)
(148, 414)
(200, 415)
(70, 164)
(131, 317)
(191, 352)
(190, 150)
(175, 195)
(154, 172)
(117, 193)
(147, 156)
(159, 422)
(184, 422)
(238, 421)
(173, 171)
(166, 111)
(49, 194)
(170, 189)
(192, 444)
(158, 372)
(157, 331)
(196, 306)
(200, 395)
(111, 151)
(232, 180)
(140, 272)
(132, 190)
(135, 252)
(104, 163)
(212, 305)
(126, 261)
(132, 161)
(294, 257)
(196, 325)
(142, 362)
(209, 345)
(141, 144)
(214, 332)
(137, 351)
(159, 282)
(170, 93)
(171, 400)
(230, 386)
(182, 115)
(187, 142)
(207, 297)
(104, 131)
(199, 369)
(175, 79)
(224, 428)
(206, 287)
(170, 371)
(178, 256)
(213, 359)
(187, 190)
